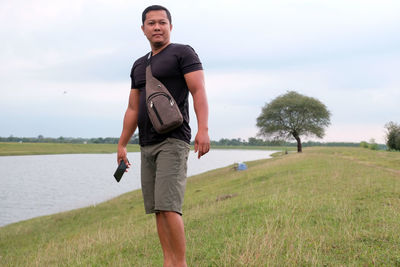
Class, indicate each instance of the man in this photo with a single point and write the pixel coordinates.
(164, 156)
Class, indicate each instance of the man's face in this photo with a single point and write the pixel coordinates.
(157, 28)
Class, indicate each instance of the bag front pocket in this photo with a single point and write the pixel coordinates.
(163, 112)
(153, 107)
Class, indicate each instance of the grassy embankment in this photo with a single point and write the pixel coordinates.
(324, 207)
(16, 149)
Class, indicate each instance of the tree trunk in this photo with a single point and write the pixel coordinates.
(299, 147)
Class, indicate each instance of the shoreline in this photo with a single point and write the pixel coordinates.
(24, 149)
(99, 177)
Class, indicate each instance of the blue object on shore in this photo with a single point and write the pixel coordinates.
(241, 166)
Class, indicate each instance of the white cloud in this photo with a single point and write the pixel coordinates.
(345, 53)
(355, 133)
(239, 96)
(38, 15)
(76, 98)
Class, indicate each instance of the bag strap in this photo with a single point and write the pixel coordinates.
(153, 85)
(149, 58)
(149, 73)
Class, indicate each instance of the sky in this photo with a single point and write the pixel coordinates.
(65, 64)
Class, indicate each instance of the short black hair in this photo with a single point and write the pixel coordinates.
(153, 8)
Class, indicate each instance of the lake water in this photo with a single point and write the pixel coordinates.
(32, 186)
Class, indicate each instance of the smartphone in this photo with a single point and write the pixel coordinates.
(120, 170)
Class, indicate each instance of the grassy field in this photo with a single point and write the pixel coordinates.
(323, 207)
(279, 148)
(17, 149)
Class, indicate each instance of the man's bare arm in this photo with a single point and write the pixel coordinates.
(195, 82)
(129, 126)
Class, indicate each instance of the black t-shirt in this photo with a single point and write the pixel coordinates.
(169, 66)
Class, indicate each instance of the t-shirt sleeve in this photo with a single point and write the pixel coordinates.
(189, 60)
(132, 78)
(136, 77)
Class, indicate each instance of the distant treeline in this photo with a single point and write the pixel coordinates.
(260, 142)
(135, 140)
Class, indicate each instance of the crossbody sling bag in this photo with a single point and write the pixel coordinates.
(162, 109)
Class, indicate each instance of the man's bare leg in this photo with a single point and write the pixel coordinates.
(165, 244)
(172, 238)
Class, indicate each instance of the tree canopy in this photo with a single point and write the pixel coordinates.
(293, 115)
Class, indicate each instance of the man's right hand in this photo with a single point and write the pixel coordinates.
(121, 155)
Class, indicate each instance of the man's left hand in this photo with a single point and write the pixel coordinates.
(201, 143)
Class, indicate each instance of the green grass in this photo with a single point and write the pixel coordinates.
(323, 207)
(279, 148)
(16, 149)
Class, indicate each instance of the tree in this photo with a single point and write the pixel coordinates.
(393, 136)
(293, 114)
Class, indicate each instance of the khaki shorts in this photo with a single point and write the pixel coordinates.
(163, 175)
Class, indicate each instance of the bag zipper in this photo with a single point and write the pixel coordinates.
(156, 112)
(171, 101)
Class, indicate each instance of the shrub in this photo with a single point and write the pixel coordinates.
(393, 136)
(372, 144)
(364, 144)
